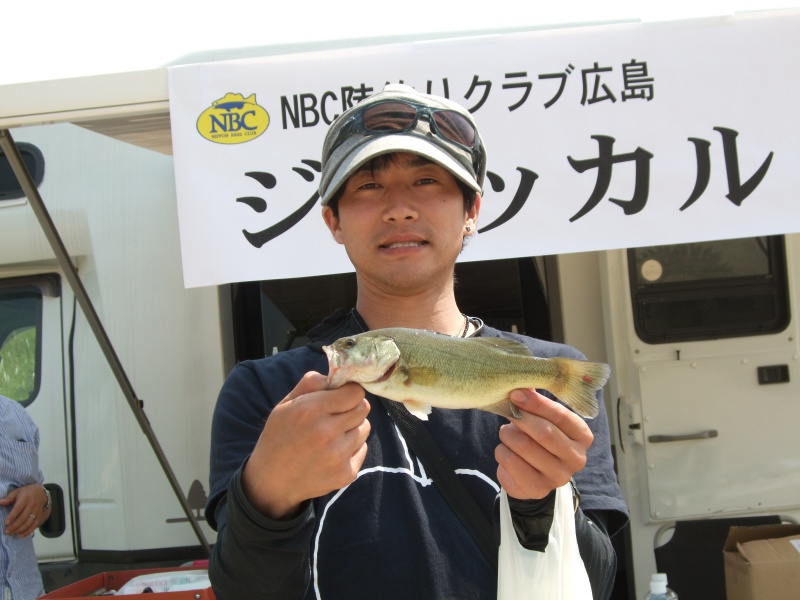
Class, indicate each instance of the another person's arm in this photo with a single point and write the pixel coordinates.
(28, 509)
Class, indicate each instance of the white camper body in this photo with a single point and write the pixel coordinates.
(114, 205)
(115, 209)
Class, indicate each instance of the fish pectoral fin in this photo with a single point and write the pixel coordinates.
(503, 345)
(418, 409)
(505, 408)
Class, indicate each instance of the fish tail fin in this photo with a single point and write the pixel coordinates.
(579, 381)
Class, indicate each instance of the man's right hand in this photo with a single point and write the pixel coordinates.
(314, 442)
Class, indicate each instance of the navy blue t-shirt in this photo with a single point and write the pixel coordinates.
(390, 533)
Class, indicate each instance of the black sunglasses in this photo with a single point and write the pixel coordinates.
(400, 116)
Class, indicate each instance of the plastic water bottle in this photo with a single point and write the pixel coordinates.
(659, 589)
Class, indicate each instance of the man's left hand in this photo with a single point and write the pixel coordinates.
(543, 450)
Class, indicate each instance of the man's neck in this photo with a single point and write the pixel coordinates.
(435, 312)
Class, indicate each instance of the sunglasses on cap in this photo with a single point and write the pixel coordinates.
(401, 116)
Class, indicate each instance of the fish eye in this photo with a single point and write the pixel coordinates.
(349, 343)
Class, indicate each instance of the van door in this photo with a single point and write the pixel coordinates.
(713, 367)
(703, 340)
(32, 373)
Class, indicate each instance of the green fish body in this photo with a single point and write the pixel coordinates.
(422, 369)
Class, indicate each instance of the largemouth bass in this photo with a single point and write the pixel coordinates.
(423, 369)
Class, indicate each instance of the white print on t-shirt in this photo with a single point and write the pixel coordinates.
(422, 479)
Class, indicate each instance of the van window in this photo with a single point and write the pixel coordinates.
(21, 335)
(10, 188)
(709, 290)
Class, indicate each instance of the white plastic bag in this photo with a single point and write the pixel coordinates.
(557, 573)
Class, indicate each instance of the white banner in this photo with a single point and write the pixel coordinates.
(598, 138)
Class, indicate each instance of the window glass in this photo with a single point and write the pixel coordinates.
(703, 261)
(20, 346)
(709, 290)
(10, 188)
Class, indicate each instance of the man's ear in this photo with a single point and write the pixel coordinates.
(471, 218)
(333, 223)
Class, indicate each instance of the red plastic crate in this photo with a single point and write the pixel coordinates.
(113, 580)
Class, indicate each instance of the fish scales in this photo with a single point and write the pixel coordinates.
(424, 369)
(475, 373)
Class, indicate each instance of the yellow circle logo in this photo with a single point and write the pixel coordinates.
(233, 119)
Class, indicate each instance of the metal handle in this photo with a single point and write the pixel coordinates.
(702, 435)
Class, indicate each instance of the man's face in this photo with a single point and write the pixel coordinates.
(402, 225)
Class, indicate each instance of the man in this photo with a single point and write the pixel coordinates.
(315, 492)
(24, 503)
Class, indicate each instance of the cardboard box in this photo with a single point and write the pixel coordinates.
(763, 563)
(113, 580)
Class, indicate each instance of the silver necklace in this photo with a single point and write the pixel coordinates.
(466, 325)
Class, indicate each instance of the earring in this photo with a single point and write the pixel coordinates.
(469, 229)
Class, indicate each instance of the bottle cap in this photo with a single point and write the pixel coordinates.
(658, 583)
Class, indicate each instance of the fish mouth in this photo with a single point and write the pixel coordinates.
(333, 379)
(339, 374)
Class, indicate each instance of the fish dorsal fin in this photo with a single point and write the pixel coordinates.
(504, 345)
